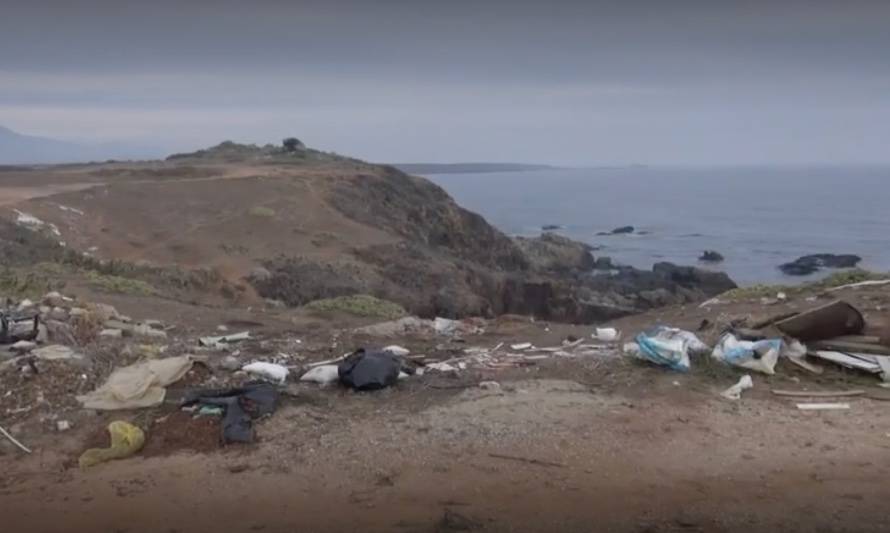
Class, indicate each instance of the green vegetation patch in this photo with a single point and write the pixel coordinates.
(360, 305)
(837, 279)
(117, 284)
(261, 211)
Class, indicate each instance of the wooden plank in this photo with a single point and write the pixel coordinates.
(822, 406)
(818, 394)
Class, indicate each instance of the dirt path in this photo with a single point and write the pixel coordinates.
(541, 455)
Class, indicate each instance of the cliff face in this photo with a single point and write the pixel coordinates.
(451, 262)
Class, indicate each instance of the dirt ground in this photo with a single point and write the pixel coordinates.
(588, 444)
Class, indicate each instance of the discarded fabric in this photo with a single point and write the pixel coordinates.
(126, 440)
(366, 370)
(735, 392)
(323, 375)
(268, 371)
(139, 385)
(242, 405)
(760, 356)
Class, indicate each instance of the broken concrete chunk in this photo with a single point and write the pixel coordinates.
(144, 330)
(57, 313)
(111, 333)
(106, 312)
(56, 352)
(54, 299)
(23, 346)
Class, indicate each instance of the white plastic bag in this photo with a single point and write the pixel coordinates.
(735, 392)
(323, 375)
(606, 334)
(269, 371)
(760, 356)
(668, 347)
(396, 350)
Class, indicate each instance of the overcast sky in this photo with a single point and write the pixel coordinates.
(564, 82)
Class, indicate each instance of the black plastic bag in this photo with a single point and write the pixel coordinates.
(369, 370)
(242, 405)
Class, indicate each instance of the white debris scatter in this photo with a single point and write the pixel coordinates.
(33, 223)
(735, 392)
(269, 371)
(397, 350)
(70, 209)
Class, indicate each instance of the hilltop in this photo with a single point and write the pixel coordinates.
(276, 225)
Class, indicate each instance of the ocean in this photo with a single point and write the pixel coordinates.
(757, 218)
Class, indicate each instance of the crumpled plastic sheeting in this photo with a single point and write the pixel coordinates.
(126, 440)
(139, 385)
(668, 347)
(369, 370)
(760, 356)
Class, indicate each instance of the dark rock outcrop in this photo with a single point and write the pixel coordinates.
(710, 256)
(623, 230)
(810, 264)
(555, 253)
(551, 227)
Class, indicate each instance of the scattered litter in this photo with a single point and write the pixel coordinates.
(20, 326)
(822, 406)
(735, 392)
(14, 441)
(369, 370)
(857, 361)
(111, 333)
(668, 347)
(490, 386)
(397, 350)
(63, 425)
(139, 385)
(126, 440)
(441, 367)
(760, 356)
(269, 371)
(521, 346)
(868, 283)
(213, 342)
(818, 394)
(323, 375)
(606, 334)
(242, 405)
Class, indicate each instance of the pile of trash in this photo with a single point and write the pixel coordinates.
(831, 333)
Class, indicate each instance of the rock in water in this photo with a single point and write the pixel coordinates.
(710, 256)
(810, 264)
(622, 230)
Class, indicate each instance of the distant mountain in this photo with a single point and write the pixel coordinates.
(18, 149)
(467, 168)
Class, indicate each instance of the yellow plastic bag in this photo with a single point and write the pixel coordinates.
(126, 440)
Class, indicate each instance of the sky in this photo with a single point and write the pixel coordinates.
(560, 82)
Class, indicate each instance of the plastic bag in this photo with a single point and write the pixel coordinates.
(126, 440)
(760, 356)
(365, 370)
(668, 347)
(735, 392)
(269, 371)
(606, 334)
(323, 375)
